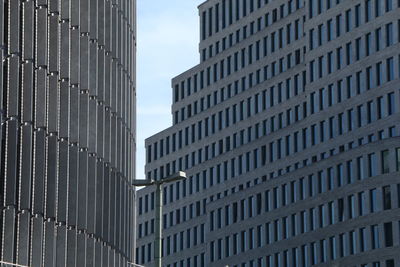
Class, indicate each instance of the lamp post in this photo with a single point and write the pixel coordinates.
(158, 212)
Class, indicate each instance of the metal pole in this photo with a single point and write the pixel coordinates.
(158, 225)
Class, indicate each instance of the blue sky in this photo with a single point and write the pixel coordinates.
(167, 45)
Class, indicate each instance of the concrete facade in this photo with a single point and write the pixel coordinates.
(67, 104)
(289, 132)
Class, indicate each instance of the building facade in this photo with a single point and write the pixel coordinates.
(288, 130)
(67, 104)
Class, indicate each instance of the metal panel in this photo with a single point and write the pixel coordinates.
(64, 48)
(107, 25)
(74, 56)
(82, 189)
(51, 175)
(13, 27)
(2, 52)
(100, 74)
(9, 234)
(83, 118)
(97, 254)
(99, 198)
(62, 181)
(53, 91)
(92, 125)
(107, 133)
(114, 31)
(74, 114)
(2, 22)
(40, 170)
(93, 19)
(106, 203)
(105, 256)
(84, 15)
(100, 131)
(113, 140)
(100, 22)
(26, 159)
(13, 86)
(107, 82)
(64, 109)
(23, 244)
(40, 98)
(93, 68)
(91, 196)
(54, 6)
(37, 241)
(112, 207)
(61, 244)
(65, 9)
(41, 36)
(84, 62)
(53, 42)
(72, 185)
(49, 243)
(113, 86)
(29, 29)
(27, 91)
(74, 12)
(81, 250)
(11, 169)
(118, 207)
(71, 248)
(90, 252)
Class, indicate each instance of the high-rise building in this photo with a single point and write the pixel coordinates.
(288, 130)
(67, 104)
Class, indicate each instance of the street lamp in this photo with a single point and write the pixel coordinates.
(158, 215)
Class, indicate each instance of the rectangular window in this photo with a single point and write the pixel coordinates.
(389, 34)
(385, 161)
(368, 10)
(398, 159)
(375, 237)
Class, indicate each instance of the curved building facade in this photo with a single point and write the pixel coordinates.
(67, 104)
(288, 130)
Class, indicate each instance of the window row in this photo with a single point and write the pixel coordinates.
(250, 29)
(313, 185)
(240, 59)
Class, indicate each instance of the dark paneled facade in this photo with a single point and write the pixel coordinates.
(67, 104)
(288, 130)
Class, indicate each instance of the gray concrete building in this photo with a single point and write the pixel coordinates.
(67, 106)
(289, 131)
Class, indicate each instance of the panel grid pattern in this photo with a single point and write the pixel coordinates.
(67, 109)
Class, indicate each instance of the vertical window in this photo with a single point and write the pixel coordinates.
(368, 10)
(389, 34)
(357, 15)
(387, 198)
(398, 159)
(389, 69)
(375, 237)
(385, 161)
(372, 165)
(348, 20)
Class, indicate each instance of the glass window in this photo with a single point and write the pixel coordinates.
(389, 34)
(372, 164)
(375, 237)
(368, 10)
(398, 159)
(385, 161)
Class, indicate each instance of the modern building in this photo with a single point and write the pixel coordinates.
(67, 104)
(288, 130)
